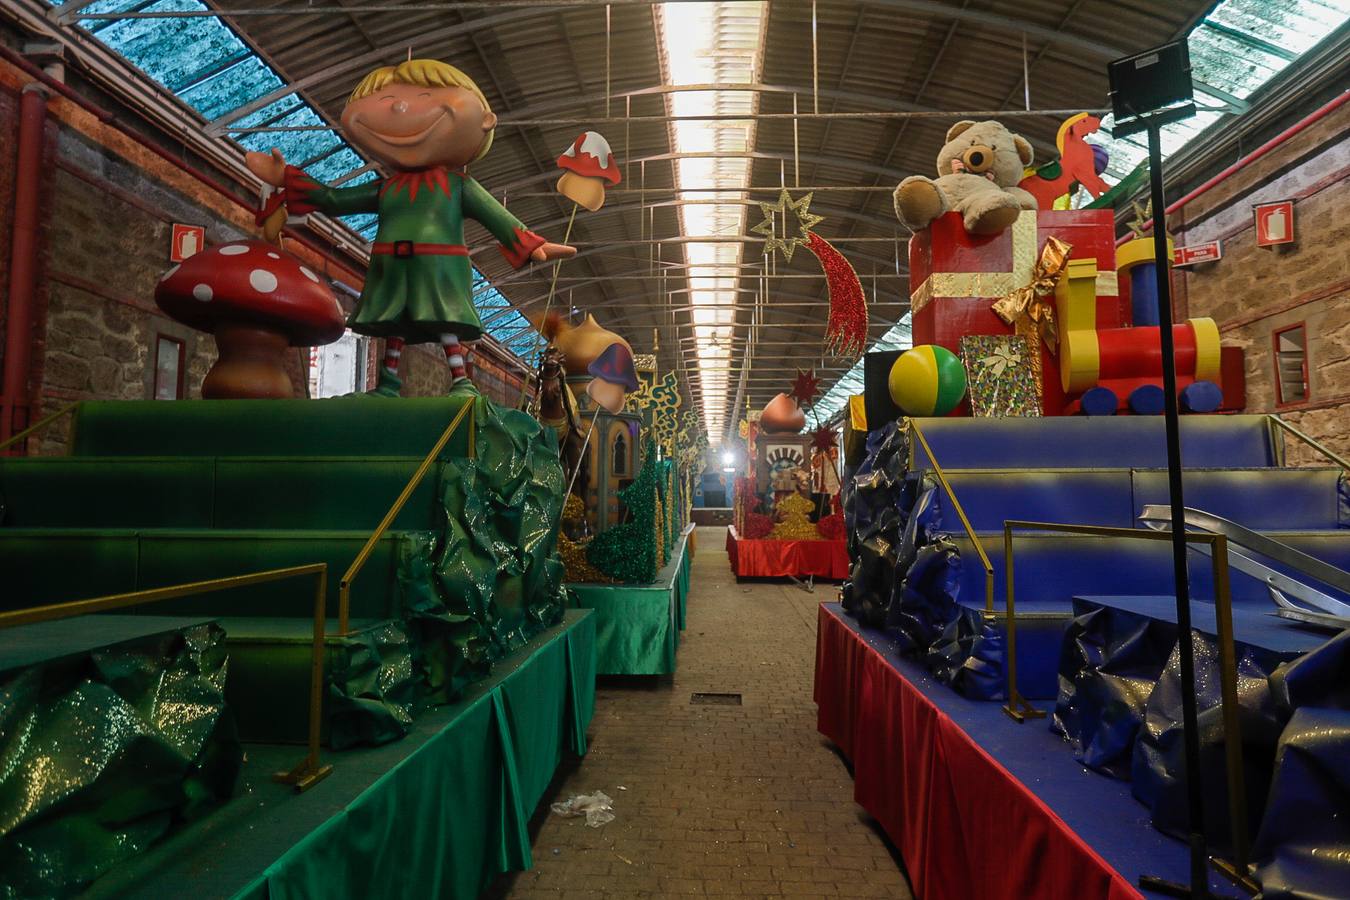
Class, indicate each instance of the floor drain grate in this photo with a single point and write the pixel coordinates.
(716, 699)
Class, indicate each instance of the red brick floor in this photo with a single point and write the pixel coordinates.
(738, 801)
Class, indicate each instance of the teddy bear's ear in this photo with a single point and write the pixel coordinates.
(1024, 151)
(958, 129)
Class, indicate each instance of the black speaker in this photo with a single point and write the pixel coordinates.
(877, 400)
(1153, 86)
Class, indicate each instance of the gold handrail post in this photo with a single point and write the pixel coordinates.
(311, 771)
(960, 514)
(348, 577)
(1238, 871)
(38, 426)
(1018, 707)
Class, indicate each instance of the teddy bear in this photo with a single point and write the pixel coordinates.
(979, 168)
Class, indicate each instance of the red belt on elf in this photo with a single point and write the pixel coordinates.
(406, 249)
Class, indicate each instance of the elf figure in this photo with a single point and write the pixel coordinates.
(424, 121)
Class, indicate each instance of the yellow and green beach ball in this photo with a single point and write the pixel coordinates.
(927, 381)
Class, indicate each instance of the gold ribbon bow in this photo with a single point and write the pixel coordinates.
(1030, 309)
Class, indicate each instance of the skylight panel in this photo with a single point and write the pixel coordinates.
(231, 88)
(170, 51)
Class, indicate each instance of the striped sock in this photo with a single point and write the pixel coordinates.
(393, 349)
(454, 355)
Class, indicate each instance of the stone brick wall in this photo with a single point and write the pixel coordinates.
(107, 216)
(1253, 292)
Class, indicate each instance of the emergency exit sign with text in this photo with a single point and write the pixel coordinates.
(1209, 251)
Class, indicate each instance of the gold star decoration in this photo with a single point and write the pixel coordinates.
(801, 212)
(1143, 213)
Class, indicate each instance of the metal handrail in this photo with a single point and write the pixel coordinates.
(309, 771)
(1307, 439)
(960, 514)
(38, 426)
(348, 577)
(1020, 709)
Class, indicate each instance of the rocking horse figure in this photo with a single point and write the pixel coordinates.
(1078, 163)
(558, 409)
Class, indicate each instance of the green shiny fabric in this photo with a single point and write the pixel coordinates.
(451, 817)
(638, 626)
(104, 749)
(419, 297)
(497, 562)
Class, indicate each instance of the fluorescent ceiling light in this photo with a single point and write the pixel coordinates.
(712, 43)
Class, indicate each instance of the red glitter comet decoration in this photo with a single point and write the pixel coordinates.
(846, 333)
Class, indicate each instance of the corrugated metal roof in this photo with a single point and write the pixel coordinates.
(585, 63)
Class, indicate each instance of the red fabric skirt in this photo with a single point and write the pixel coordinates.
(777, 559)
(965, 826)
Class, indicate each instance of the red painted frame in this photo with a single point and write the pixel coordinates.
(181, 387)
(1275, 359)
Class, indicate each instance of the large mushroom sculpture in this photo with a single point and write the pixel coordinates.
(614, 377)
(587, 165)
(258, 301)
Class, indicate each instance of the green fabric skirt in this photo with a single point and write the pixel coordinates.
(417, 298)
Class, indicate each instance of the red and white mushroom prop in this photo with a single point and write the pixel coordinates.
(257, 300)
(588, 164)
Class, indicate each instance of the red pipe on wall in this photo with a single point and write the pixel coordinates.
(1293, 130)
(23, 262)
(20, 62)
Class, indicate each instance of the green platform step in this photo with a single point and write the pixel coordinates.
(327, 492)
(342, 426)
(52, 565)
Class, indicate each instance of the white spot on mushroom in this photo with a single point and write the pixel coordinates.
(233, 250)
(275, 255)
(310, 275)
(169, 274)
(263, 281)
(203, 292)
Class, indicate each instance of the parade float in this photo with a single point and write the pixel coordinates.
(786, 520)
(204, 592)
(626, 537)
(1025, 425)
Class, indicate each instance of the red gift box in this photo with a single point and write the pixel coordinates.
(955, 277)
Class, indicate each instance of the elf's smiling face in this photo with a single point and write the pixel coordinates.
(406, 126)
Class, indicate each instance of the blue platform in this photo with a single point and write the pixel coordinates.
(1068, 470)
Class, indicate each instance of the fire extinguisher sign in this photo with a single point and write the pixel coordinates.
(187, 240)
(1274, 223)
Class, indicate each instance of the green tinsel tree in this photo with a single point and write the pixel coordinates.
(627, 552)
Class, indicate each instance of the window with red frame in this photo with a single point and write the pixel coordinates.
(1291, 365)
(169, 366)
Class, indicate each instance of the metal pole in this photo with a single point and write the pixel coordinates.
(1190, 730)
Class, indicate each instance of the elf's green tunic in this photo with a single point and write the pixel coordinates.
(420, 283)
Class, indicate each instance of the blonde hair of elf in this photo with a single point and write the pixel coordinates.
(429, 73)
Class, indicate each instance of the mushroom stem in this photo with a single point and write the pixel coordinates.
(252, 364)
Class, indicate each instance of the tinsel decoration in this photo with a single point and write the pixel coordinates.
(628, 552)
(577, 569)
(831, 527)
(795, 524)
(846, 331)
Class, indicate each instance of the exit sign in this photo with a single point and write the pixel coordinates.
(1274, 223)
(1209, 251)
